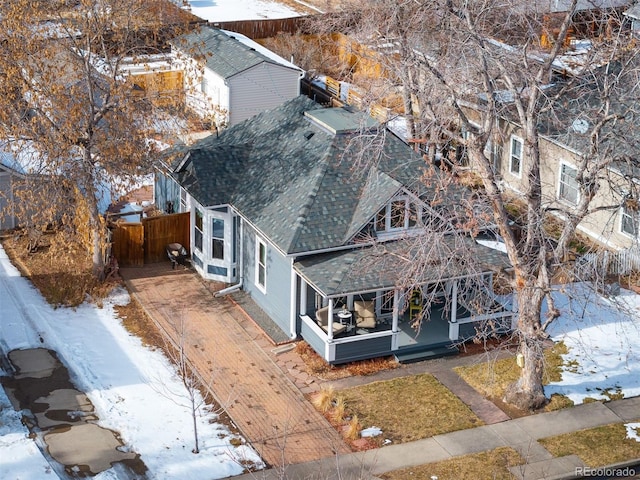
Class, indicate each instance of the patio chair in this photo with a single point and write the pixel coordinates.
(365, 314)
(322, 318)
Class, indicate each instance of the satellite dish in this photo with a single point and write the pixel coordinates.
(580, 125)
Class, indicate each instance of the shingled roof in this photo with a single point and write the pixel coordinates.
(224, 54)
(293, 178)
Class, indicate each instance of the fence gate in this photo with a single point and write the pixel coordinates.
(128, 244)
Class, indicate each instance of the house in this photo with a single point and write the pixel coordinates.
(278, 209)
(229, 78)
(22, 199)
(566, 141)
(11, 175)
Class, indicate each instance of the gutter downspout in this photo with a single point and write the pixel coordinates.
(237, 286)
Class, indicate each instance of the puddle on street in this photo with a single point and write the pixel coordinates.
(63, 416)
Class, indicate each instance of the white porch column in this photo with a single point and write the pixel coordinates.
(330, 320)
(454, 327)
(293, 318)
(396, 302)
(303, 296)
(394, 321)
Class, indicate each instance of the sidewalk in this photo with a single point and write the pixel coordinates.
(521, 434)
(262, 387)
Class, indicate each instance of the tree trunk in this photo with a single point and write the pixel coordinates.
(527, 393)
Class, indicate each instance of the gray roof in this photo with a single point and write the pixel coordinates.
(633, 11)
(295, 180)
(378, 268)
(225, 55)
(580, 110)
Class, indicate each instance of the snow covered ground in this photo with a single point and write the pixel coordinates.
(232, 10)
(603, 337)
(121, 377)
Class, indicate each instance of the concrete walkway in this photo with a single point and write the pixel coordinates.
(521, 434)
(262, 387)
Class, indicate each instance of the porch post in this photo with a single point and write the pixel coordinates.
(293, 318)
(303, 296)
(350, 302)
(454, 327)
(394, 321)
(330, 320)
(396, 302)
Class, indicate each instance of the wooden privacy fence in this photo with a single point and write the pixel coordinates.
(135, 244)
(256, 29)
(599, 264)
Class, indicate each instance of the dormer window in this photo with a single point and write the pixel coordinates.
(399, 214)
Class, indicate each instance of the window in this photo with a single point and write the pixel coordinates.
(397, 214)
(568, 188)
(217, 238)
(400, 214)
(629, 218)
(515, 163)
(183, 200)
(197, 231)
(261, 265)
(204, 85)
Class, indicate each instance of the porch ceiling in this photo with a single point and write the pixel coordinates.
(387, 265)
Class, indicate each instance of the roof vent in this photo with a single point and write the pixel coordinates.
(580, 125)
(308, 134)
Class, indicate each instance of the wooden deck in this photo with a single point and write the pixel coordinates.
(232, 354)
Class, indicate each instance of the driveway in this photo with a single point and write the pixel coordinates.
(230, 355)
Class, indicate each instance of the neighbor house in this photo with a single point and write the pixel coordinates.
(575, 133)
(298, 207)
(11, 176)
(229, 78)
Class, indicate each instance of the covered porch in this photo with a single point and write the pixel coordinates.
(347, 317)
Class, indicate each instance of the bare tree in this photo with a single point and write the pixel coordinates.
(474, 73)
(191, 395)
(66, 104)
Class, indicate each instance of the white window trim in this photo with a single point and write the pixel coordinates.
(262, 288)
(195, 227)
(560, 183)
(408, 201)
(184, 202)
(622, 215)
(519, 173)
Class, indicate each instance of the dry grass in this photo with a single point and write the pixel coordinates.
(597, 447)
(490, 465)
(409, 408)
(492, 378)
(323, 400)
(316, 365)
(60, 269)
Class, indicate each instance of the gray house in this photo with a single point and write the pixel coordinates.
(229, 77)
(278, 209)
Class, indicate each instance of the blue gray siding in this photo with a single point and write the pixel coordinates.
(7, 219)
(275, 302)
(363, 349)
(260, 88)
(165, 189)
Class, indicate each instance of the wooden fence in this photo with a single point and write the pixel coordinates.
(256, 29)
(135, 244)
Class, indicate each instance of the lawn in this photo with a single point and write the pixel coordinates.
(408, 408)
(492, 378)
(490, 465)
(597, 447)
